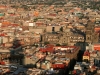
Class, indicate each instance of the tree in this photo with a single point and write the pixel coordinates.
(25, 7)
(61, 29)
(36, 45)
(64, 44)
(45, 43)
(50, 19)
(58, 45)
(15, 6)
(35, 19)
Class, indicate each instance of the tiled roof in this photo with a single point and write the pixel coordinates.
(3, 34)
(86, 53)
(14, 25)
(39, 23)
(58, 66)
(25, 27)
(6, 23)
(2, 6)
(48, 49)
(12, 14)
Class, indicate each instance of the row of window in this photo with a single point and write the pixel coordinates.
(51, 36)
(77, 37)
(77, 41)
(52, 39)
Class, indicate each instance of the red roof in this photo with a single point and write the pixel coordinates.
(93, 67)
(52, 14)
(66, 46)
(2, 63)
(14, 25)
(6, 23)
(25, 27)
(97, 47)
(58, 66)
(97, 28)
(3, 6)
(48, 49)
(74, 71)
(3, 34)
(86, 53)
(1, 18)
(3, 44)
(12, 14)
(39, 23)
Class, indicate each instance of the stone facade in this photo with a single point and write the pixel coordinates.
(63, 38)
(51, 38)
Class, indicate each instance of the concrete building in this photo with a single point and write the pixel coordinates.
(30, 60)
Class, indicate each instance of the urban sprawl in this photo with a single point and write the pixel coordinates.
(49, 37)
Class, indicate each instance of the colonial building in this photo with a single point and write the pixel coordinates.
(67, 37)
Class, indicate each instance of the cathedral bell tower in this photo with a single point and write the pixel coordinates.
(90, 31)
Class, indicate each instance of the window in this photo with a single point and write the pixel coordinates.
(53, 29)
(88, 38)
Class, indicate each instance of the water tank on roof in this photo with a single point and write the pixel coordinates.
(31, 24)
(20, 29)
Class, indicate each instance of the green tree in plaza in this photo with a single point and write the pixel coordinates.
(45, 43)
(58, 45)
(61, 29)
(64, 44)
